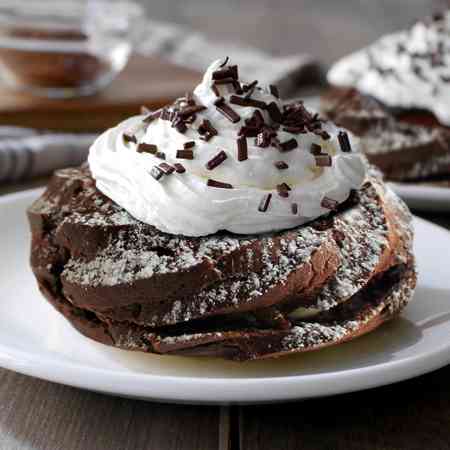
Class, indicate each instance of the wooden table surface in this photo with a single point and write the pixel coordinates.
(415, 414)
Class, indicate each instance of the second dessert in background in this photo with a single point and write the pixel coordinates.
(395, 95)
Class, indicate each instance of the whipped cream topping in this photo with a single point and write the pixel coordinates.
(407, 69)
(185, 173)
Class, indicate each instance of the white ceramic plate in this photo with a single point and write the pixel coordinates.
(424, 198)
(36, 341)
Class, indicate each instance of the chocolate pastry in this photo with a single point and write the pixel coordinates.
(227, 224)
(395, 95)
(405, 146)
(124, 283)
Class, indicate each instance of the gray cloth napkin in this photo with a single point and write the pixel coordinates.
(26, 153)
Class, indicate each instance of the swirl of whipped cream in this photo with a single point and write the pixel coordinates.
(407, 69)
(184, 203)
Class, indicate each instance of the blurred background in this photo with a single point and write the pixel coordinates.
(327, 29)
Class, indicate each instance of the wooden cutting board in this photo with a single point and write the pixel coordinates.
(145, 81)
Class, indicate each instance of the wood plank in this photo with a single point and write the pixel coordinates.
(413, 415)
(36, 414)
(145, 81)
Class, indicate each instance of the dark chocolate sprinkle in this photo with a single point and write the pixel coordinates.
(264, 204)
(294, 208)
(156, 173)
(129, 138)
(166, 168)
(242, 148)
(179, 168)
(189, 110)
(189, 144)
(274, 91)
(241, 101)
(315, 149)
(283, 190)
(249, 89)
(218, 184)
(185, 154)
(262, 139)
(226, 72)
(344, 142)
(274, 112)
(288, 145)
(225, 62)
(281, 165)
(147, 148)
(226, 110)
(160, 155)
(216, 160)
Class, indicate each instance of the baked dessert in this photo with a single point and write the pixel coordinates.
(228, 224)
(395, 95)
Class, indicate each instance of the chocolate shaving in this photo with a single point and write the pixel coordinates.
(218, 184)
(315, 149)
(274, 91)
(323, 134)
(226, 110)
(242, 101)
(206, 130)
(129, 138)
(263, 139)
(225, 62)
(287, 146)
(216, 160)
(189, 110)
(242, 148)
(147, 148)
(281, 165)
(226, 72)
(167, 169)
(323, 160)
(249, 89)
(156, 172)
(185, 154)
(344, 142)
(329, 203)
(274, 112)
(294, 208)
(283, 190)
(189, 144)
(179, 124)
(264, 204)
(179, 168)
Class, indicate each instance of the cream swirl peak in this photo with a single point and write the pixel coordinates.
(408, 69)
(231, 156)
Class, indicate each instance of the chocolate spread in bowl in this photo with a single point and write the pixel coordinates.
(42, 65)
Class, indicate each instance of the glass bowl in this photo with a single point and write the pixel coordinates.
(64, 48)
